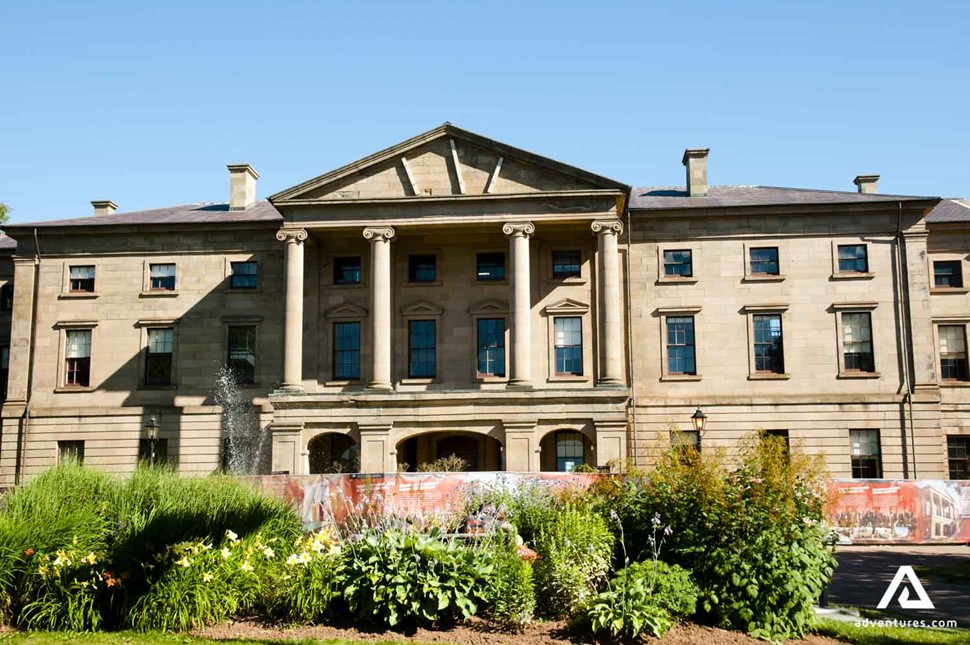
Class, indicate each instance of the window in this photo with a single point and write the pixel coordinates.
(346, 351)
(70, 451)
(491, 347)
(953, 353)
(242, 353)
(347, 270)
(82, 279)
(853, 258)
(422, 268)
(769, 355)
(422, 357)
(162, 277)
(681, 357)
(78, 358)
(570, 451)
(866, 458)
(6, 297)
(764, 260)
(4, 369)
(948, 274)
(145, 450)
(244, 275)
(683, 441)
(569, 345)
(490, 266)
(158, 360)
(857, 342)
(678, 264)
(566, 264)
(782, 435)
(958, 452)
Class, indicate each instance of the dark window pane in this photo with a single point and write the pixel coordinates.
(158, 361)
(678, 264)
(4, 370)
(162, 277)
(958, 454)
(948, 274)
(242, 353)
(347, 270)
(145, 450)
(6, 297)
(346, 351)
(70, 451)
(422, 268)
(681, 358)
(768, 349)
(857, 342)
(569, 345)
(82, 279)
(764, 260)
(866, 454)
(570, 451)
(953, 352)
(853, 258)
(245, 275)
(491, 346)
(490, 266)
(421, 349)
(78, 358)
(566, 264)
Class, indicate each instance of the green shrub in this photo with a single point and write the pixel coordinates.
(304, 584)
(511, 590)
(670, 586)
(751, 535)
(575, 547)
(627, 610)
(400, 577)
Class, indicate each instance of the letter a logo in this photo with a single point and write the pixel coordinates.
(907, 572)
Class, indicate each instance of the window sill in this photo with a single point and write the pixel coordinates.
(244, 290)
(681, 377)
(485, 378)
(948, 290)
(691, 280)
(862, 375)
(567, 378)
(769, 376)
(341, 383)
(954, 383)
(77, 295)
(430, 283)
(767, 277)
(158, 293)
(67, 389)
(572, 281)
(418, 381)
(852, 276)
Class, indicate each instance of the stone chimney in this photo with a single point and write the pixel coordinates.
(104, 207)
(695, 160)
(242, 186)
(867, 183)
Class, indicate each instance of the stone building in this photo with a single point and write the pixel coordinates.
(456, 295)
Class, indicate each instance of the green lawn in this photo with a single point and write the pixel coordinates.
(151, 638)
(870, 635)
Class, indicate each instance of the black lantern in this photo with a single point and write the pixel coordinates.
(152, 430)
(699, 420)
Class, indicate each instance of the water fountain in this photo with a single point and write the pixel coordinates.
(245, 442)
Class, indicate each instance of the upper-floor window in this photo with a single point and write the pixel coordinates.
(82, 279)
(158, 360)
(245, 275)
(566, 264)
(4, 369)
(764, 260)
(242, 353)
(853, 258)
(857, 342)
(569, 345)
(491, 347)
(347, 270)
(681, 353)
(422, 348)
(678, 263)
(490, 266)
(769, 355)
(77, 358)
(958, 456)
(346, 351)
(866, 454)
(162, 277)
(422, 268)
(953, 352)
(948, 274)
(6, 297)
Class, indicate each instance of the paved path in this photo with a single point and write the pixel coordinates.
(864, 574)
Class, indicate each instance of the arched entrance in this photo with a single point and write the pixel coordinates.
(333, 453)
(563, 450)
(479, 451)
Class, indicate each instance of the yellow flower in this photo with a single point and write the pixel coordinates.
(90, 558)
(61, 560)
(42, 571)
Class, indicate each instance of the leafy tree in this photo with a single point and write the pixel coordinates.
(4, 213)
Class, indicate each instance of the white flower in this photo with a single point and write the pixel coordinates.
(292, 560)
(232, 536)
(184, 562)
(225, 553)
(245, 566)
(268, 552)
(206, 577)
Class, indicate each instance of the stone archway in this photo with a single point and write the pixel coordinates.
(481, 452)
(333, 452)
(563, 450)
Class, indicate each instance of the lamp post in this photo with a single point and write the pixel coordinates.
(698, 420)
(152, 429)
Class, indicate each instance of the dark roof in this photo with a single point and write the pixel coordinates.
(654, 198)
(7, 243)
(949, 210)
(187, 214)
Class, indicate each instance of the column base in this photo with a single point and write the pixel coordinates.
(610, 382)
(380, 385)
(519, 385)
(288, 388)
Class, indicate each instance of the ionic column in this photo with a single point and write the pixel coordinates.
(608, 291)
(519, 234)
(380, 304)
(293, 322)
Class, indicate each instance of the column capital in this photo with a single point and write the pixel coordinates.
(519, 229)
(291, 235)
(607, 227)
(379, 233)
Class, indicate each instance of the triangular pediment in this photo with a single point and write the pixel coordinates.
(422, 308)
(485, 307)
(567, 306)
(346, 310)
(446, 161)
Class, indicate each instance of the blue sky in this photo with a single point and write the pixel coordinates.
(145, 103)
